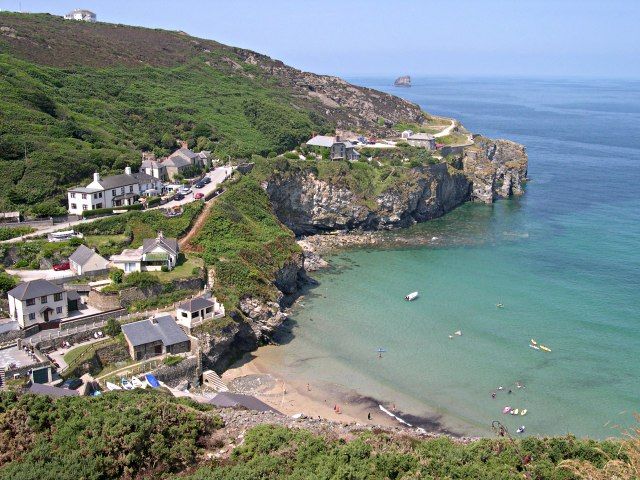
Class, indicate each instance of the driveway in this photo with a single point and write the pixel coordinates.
(217, 176)
(28, 275)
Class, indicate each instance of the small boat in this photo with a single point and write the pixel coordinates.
(546, 349)
(152, 380)
(499, 305)
(458, 333)
(113, 386)
(126, 384)
(411, 296)
(523, 412)
(506, 410)
(534, 346)
(514, 412)
(533, 342)
(135, 381)
(520, 429)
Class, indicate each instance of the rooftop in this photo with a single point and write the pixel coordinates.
(34, 289)
(168, 244)
(196, 304)
(40, 389)
(322, 141)
(82, 255)
(164, 329)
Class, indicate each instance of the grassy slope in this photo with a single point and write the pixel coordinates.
(146, 434)
(76, 120)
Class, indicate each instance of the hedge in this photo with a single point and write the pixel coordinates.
(107, 211)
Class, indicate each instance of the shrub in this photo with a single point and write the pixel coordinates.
(172, 360)
(7, 282)
(116, 276)
(112, 328)
(164, 268)
(12, 232)
(106, 211)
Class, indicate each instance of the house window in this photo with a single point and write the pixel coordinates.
(84, 207)
(31, 301)
(100, 195)
(84, 196)
(185, 315)
(113, 192)
(72, 195)
(73, 206)
(122, 191)
(95, 195)
(131, 189)
(58, 310)
(57, 297)
(44, 299)
(32, 316)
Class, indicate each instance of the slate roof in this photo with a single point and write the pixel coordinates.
(72, 295)
(34, 289)
(164, 329)
(82, 255)
(176, 161)
(124, 179)
(184, 152)
(229, 399)
(168, 244)
(422, 136)
(322, 141)
(41, 389)
(196, 304)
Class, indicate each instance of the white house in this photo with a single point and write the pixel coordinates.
(112, 191)
(82, 15)
(84, 261)
(38, 302)
(424, 140)
(339, 149)
(154, 254)
(193, 312)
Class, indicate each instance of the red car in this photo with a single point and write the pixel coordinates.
(62, 266)
(198, 195)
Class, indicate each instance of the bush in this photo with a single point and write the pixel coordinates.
(12, 232)
(7, 282)
(112, 328)
(291, 155)
(172, 360)
(164, 268)
(153, 201)
(107, 211)
(116, 276)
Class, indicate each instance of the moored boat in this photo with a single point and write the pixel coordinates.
(126, 384)
(113, 386)
(411, 296)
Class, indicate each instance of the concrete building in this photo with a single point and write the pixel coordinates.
(111, 192)
(38, 302)
(84, 261)
(423, 140)
(154, 254)
(193, 312)
(82, 15)
(155, 336)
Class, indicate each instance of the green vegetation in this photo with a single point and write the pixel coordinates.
(171, 360)
(73, 120)
(7, 282)
(118, 435)
(7, 233)
(107, 211)
(168, 297)
(454, 139)
(188, 266)
(30, 252)
(245, 243)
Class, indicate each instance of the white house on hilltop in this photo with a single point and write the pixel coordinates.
(82, 15)
(339, 149)
(40, 302)
(110, 192)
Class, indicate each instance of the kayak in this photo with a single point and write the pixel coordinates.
(535, 346)
(113, 386)
(523, 412)
(533, 342)
(152, 380)
(514, 412)
(506, 409)
(546, 349)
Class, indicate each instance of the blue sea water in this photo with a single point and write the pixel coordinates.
(563, 259)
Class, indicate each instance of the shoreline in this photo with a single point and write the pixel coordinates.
(257, 374)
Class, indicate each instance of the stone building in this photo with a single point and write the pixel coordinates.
(155, 336)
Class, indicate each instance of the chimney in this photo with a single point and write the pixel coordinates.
(337, 138)
(160, 234)
(154, 320)
(127, 170)
(96, 177)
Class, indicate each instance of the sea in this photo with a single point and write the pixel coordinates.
(563, 260)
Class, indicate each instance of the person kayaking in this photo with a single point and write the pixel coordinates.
(493, 394)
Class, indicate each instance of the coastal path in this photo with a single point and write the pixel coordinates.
(446, 131)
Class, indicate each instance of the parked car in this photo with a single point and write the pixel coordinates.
(62, 266)
(72, 383)
(185, 190)
(178, 196)
(198, 195)
(200, 184)
(206, 180)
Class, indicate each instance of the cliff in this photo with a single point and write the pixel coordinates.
(309, 204)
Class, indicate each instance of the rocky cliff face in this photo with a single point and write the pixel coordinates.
(487, 170)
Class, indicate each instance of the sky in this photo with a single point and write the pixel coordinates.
(568, 38)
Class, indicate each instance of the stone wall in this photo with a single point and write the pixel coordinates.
(176, 374)
(103, 301)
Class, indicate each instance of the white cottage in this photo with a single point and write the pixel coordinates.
(38, 302)
(154, 254)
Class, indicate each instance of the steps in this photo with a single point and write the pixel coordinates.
(213, 381)
(2, 378)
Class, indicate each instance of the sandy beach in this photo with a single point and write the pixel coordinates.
(257, 374)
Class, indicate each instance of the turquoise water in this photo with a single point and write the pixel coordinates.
(563, 259)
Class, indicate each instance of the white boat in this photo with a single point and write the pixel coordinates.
(520, 429)
(523, 412)
(514, 411)
(458, 333)
(126, 384)
(534, 346)
(411, 296)
(135, 381)
(113, 386)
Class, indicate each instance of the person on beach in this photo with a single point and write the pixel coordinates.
(308, 388)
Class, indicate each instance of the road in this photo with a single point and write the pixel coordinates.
(217, 176)
(446, 131)
(50, 274)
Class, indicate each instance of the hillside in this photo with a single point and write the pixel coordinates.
(78, 97)
(126, 435)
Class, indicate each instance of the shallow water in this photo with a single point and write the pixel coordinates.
(563, 259)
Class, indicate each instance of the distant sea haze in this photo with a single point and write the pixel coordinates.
(563, 260)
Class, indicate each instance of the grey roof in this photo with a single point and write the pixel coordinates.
(164, 329)
(347, 144)
(41, 389)
(82, 255)
(34, 289)
(229, 399)
(73, 295)
(422, 136)
(151, 164)
(184, 152)
(124, 179)
(196, 304)
(176, 161)
(84, 190)
(322, 141)
(169, 244)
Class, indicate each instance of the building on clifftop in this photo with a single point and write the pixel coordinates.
(81, 15)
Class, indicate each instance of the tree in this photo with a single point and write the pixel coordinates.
(116, 276)
(112, 328)
(7, 282)
(168, 141)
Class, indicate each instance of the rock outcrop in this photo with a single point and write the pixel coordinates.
(404, 81)
(486, 170)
